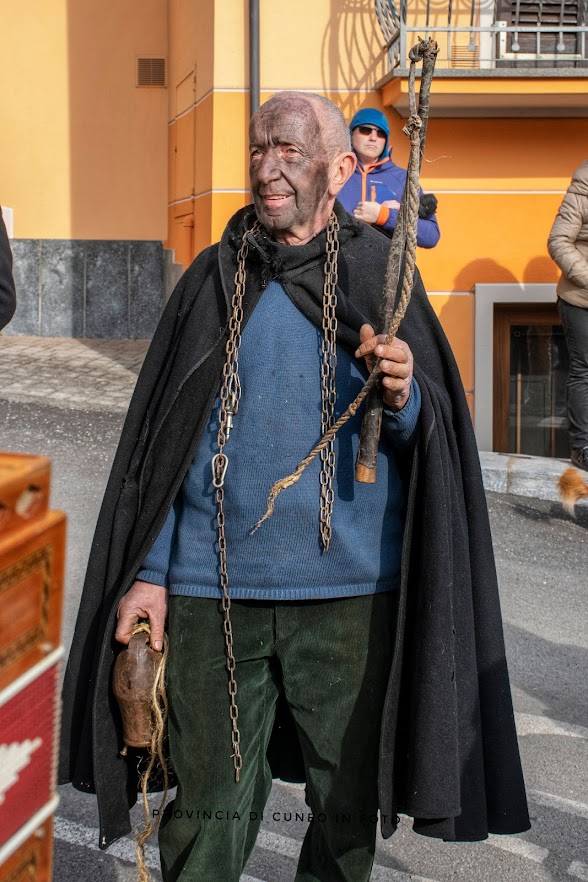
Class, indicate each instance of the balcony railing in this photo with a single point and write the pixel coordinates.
(508, 35)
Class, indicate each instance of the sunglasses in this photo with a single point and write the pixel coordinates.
(367, 130)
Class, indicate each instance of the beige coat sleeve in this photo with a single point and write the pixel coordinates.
(561, 243)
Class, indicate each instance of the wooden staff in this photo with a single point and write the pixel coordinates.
(402, 254)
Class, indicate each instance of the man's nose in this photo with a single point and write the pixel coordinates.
(268, 169)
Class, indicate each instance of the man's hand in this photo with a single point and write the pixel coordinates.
(367, 211)
(391, 203)
(396, 363)
(143, 601)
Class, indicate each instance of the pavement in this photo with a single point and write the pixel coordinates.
(99, 375)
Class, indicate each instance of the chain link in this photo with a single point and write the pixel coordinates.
(230, 394)
(328, 386)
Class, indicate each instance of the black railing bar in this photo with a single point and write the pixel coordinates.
(471, 44)
(561, 46)
(392, 39)
(499, 29)
(515, 39)
(387, 16)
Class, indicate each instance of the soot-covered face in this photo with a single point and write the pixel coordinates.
(289, 169)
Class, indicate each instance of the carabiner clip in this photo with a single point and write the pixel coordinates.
(218, 482)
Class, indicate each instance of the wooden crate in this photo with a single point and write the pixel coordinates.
(31, 862)
(31, 593)
(32, 552)
(24, 489)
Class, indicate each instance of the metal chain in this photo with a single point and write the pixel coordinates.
(328, 387)
(230, 394)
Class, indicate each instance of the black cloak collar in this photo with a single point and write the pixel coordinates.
(299, 268)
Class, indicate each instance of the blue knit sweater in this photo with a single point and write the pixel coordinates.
(277, 424)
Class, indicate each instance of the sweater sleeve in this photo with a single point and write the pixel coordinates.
(400, 427)
(7, 290)
(155, 568)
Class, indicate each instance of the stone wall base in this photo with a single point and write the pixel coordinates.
(90, 288)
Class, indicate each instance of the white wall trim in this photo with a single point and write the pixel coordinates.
(485, 297)
(206, 193)
(495, 192)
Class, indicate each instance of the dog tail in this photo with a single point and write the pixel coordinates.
(571, 487)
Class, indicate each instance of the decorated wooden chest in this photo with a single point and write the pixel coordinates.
(32, 549)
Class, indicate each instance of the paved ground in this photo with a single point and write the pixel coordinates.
(80, 374)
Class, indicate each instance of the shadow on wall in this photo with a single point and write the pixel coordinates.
(541, 270)
(484, 269)
(347, 61)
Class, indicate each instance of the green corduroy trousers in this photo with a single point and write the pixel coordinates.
(331, 659)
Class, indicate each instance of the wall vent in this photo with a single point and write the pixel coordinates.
(151, 72)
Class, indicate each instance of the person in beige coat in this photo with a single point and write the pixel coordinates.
(568, 247)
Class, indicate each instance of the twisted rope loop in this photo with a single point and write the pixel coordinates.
(159, 710)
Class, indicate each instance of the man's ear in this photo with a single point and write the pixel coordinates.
(342, 168)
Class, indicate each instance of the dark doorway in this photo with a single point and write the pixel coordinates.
(530, 373)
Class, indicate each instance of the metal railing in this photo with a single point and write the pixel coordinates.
(491, 43)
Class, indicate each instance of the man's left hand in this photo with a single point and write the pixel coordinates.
(367, 211)
(396, 364)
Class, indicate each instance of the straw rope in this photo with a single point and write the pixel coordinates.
(159, 709)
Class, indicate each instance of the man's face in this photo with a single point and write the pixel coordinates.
(368, 142)
(289, 170)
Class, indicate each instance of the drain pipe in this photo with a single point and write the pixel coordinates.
(253, 56)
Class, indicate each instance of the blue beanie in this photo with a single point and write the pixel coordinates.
(370, 116)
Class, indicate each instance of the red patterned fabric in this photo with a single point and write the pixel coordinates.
(27, 751)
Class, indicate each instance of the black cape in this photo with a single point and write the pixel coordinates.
(449, 754)
(7, 290)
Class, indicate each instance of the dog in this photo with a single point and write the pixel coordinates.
(572, 487)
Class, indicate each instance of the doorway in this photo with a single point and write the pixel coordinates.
(529, 378)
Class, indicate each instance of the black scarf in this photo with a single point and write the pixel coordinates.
(300, 269)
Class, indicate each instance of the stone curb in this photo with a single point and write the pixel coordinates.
(523, 475)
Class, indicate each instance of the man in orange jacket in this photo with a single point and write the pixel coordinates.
(374, 190)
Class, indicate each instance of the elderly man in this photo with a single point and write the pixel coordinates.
(7, 292)
(374, 191)
(360, 623)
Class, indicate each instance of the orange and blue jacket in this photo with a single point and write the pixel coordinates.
(380, 182)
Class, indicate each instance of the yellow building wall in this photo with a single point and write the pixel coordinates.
(83, 152)
(499, 181)
(34, 105)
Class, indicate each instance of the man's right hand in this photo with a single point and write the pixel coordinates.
(143, 601)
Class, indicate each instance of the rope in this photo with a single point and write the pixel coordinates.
(159, 708)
